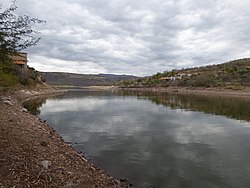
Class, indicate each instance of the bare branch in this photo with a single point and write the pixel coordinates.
(16, 32)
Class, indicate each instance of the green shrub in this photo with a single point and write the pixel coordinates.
(7, 80)
(24, 81)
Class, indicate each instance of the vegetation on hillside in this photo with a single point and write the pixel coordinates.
(235, 74)
(59, 78)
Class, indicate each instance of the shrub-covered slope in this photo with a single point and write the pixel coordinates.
(231, 74)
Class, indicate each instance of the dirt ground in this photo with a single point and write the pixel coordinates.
(33, 155)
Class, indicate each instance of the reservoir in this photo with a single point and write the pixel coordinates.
(156, 140)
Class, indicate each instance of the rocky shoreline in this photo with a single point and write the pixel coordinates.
(32, 154)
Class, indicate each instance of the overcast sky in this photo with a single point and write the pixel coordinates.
(139, 37)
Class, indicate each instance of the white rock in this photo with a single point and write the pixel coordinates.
(26, 92)
(24, 110)
(8, 102)
(35, 93)
(46, 164)
(68, 184)
(6, 98)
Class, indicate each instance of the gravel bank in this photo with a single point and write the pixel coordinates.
(32, 154)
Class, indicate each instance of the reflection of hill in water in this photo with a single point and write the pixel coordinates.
(230, 107)
(237, 108)
(233, 107)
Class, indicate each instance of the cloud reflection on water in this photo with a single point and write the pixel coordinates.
(152, 143)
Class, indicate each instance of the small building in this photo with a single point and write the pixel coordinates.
(183, 75)
(171, 78)
(20, 60)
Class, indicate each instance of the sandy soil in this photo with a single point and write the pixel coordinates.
(33, 155)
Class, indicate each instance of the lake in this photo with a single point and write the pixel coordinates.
(156, 139)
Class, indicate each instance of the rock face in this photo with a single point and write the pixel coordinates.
(33, 155)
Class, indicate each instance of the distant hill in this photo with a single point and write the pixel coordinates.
(59, 78)
(234, 74)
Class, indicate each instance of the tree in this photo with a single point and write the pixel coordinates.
(16, 32)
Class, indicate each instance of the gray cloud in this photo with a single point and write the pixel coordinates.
(137, 37)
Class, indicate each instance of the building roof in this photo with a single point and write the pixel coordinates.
(20, 62)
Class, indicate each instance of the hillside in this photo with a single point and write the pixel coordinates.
(58, 78)
(234, 74)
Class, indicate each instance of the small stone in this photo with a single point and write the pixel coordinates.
(44, 143)
(123, 180)
(6, 98)
(46, 164)
(27, 92)
(68, 184)
(24, 110)
(35, 93)
(8, 102)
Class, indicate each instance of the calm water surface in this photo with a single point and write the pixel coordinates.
(157, 140)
